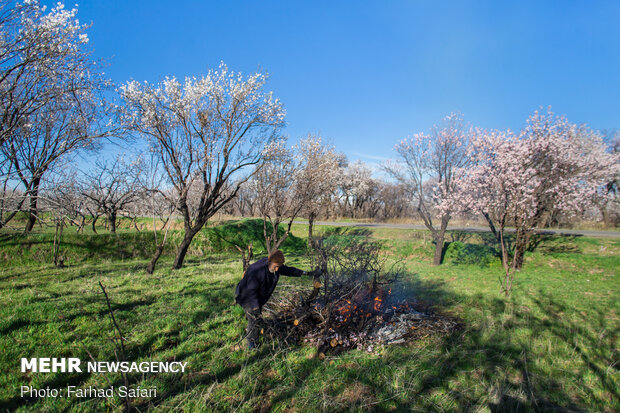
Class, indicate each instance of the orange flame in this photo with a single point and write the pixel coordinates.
(377, 305)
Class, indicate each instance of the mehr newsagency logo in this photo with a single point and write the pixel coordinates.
(75, 365)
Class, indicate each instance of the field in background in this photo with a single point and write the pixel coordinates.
(552, 346)
(146, 223)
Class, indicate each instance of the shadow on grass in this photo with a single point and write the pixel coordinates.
(35, 249)
(347, 231)
(550, 243)
(64, 275)
(19, 324)
(463, 250)
(59, 381)
(598, 352)
(479, 366)
(506, 370)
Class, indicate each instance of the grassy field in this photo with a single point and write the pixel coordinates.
(551, 347)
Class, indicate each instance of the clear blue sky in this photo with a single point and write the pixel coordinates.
(367, 74)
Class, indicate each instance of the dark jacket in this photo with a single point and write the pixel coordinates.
(258, 283)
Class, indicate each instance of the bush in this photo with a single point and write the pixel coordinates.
(472, 254)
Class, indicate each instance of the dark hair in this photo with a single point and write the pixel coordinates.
(276, 257)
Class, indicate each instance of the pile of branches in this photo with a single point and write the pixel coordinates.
(357, 303)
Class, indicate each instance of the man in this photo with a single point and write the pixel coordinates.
(257, 285)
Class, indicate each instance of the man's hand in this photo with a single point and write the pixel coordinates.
(314, 273)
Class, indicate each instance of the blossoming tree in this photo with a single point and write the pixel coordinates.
(51, 95)
(607, 197)
(37, 50)
(278, 199)
(319, 170)
(518, 179)
(428, 165)
(205, 131)
(357, 191)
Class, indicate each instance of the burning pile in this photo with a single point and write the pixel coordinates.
(360, 306)
(360, 321)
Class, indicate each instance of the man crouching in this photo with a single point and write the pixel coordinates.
(257, 285)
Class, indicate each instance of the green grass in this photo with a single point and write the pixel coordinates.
(552, 346)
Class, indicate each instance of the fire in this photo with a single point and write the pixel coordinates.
(360, 318)
(377, 306)
(345, 310)
(378, 301)
(364, 305)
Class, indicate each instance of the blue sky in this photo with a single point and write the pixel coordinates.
(366, 74)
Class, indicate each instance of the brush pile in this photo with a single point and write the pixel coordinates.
(360, 304)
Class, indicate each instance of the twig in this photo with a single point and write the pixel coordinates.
(120, 340)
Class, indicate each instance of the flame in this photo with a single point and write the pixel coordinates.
(367, 304)
(377, 305)
(345, 310)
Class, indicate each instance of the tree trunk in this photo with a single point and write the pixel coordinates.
(184, 246)
(150, 268)
(135, 224)
(34, 194)
(439, 241)
(245, 259)
(112, 221)
(605, 215)
(492, 226)
(58, 260)
(10, 217)
(521, 241)
(438, 248)
(310, 225)
(5, 219)
(151, 265)
(93, 224)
